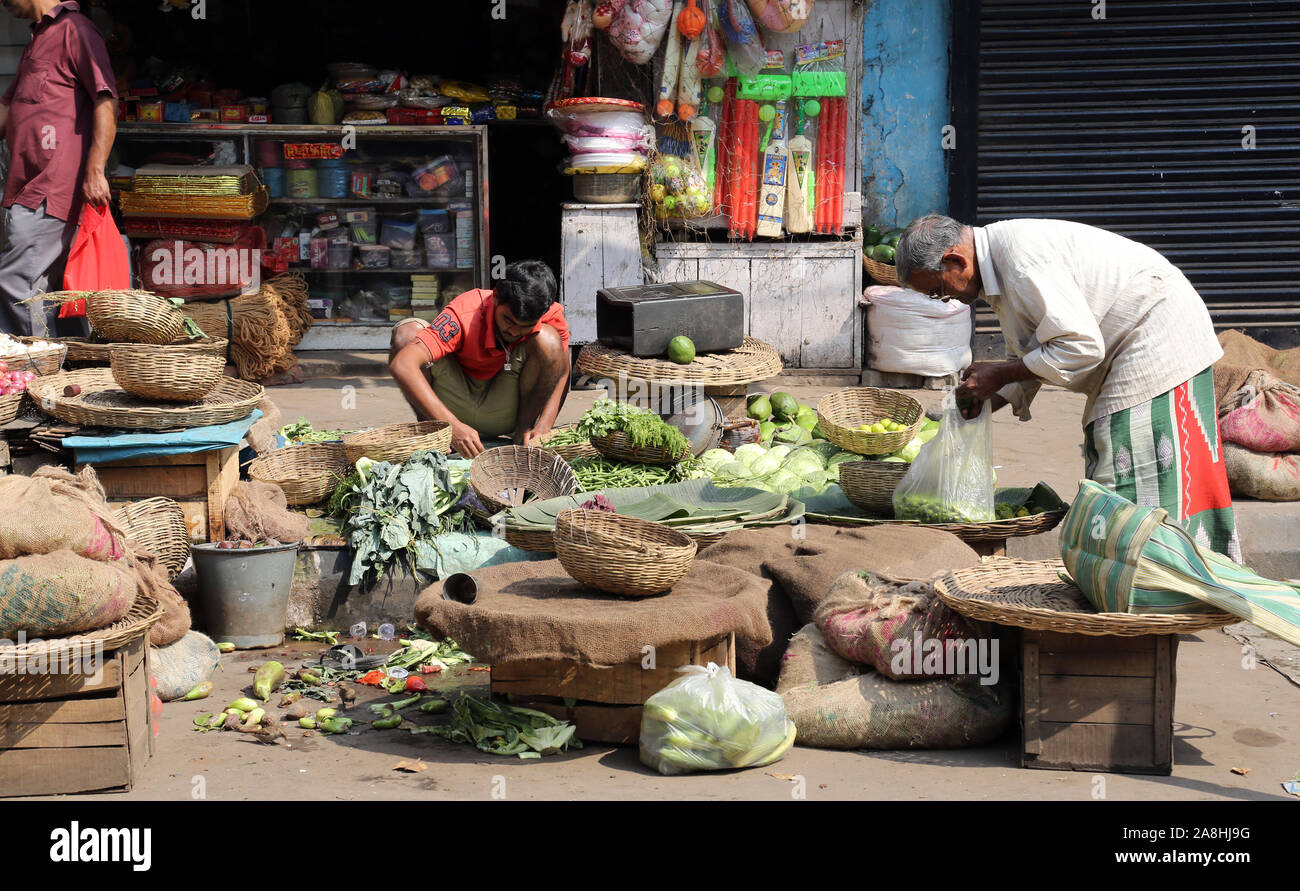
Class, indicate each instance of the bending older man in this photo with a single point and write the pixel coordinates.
(1102, 315)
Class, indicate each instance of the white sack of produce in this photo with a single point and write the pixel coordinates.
(836, 704)
(1268, 476)
(909, 333)
(181, 666)
(708, 720)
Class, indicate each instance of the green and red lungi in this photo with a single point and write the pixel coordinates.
(1166, 453)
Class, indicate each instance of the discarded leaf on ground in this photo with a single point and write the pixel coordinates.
(416, 766)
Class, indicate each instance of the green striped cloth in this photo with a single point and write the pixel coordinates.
(1131, 559)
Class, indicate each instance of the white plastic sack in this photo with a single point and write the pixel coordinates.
(910, 333)
(951, 480)
(708, 720)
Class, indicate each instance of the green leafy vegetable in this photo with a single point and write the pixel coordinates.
(500, 729)
(644, 429)
(302, 431)
(603, 473)
(329, 637)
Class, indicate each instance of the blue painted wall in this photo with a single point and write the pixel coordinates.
(905, 108)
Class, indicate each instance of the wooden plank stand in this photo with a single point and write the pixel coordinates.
(67, 731)
(1098, 703)
(200, 482)
(604, 701)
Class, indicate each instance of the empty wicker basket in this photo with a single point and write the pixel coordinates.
(841, 411)
(397, 442)
(308, 473)
(621, 555)
(9, 406)
(158, 526)
(134, 317)
(180, 372)
(870, 484)
(510, 475)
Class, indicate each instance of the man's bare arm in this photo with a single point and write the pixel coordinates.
(407, 368)
(95, 187)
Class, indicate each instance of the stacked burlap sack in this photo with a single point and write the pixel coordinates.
(1257, 390)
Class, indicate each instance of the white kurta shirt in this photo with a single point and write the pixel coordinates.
(1093, 312)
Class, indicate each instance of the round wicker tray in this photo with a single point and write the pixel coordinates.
(504, 476)
(885, 273)
(870, 484)
(134, 317)
(134, 625)
(102, 403)
(158, 526)
(308, 473)
(184, 372)
(752, 361)
(617, 447)
(47, 361)
(398, 442)
(568, 452)
(993, 530)
(839, 412)
(1031, 594)
(621, 555)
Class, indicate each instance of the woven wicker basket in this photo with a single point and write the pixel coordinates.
(885, 273)
(505, 477)
(541, 541)
(621, 555)
(308, 473)
(46, 361)
(80, 350)
(397, 442)
(9, 406)
(841, 411)
(158, 526)
(102, 403)
(568, 452)
(870, 484)
(134, 317)
(737, 433)
(617, 447)
(174, 373)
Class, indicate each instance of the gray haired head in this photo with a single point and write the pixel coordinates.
(924, 242)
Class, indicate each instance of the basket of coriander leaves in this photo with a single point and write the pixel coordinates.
(624, 432)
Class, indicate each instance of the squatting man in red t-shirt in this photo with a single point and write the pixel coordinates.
(492, 363)
(60, 117)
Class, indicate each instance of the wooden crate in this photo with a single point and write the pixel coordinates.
(199, 482)
(1098, 703)
(607, 699)
(67, 733)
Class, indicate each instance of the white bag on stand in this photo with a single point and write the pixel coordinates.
(910, 333)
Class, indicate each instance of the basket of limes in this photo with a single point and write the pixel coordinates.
(878, 250)
(869, 420)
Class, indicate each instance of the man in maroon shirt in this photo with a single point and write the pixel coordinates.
(59, 116)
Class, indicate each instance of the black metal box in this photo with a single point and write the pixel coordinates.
(643, 318)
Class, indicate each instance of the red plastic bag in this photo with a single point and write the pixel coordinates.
(97, 260)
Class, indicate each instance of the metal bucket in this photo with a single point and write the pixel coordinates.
(244, 592)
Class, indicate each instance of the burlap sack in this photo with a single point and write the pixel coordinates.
(1263, 414)
(871, 711)
(808, 662)
(182, 665)
(1243, 351)
(1268, 476)
(151, 576)
(261, 436)
(54, 510)
(535, 611)
(50, 595)
(259, 511)
(865, 614)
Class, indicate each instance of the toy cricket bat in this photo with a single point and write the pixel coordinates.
(704, 134)
(798, 217)
(776, 161)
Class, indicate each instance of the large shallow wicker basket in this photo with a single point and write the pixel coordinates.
(540, 541)
(870, 484)
(397, 442)
(621, 555)
(134, 317)
(619, 448)
(582, 449)
(841, 411)
(183, 372)
(42, 361)
(308, 473)
(158, 526)
(510, 475)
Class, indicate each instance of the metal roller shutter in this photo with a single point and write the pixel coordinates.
(1135, 123)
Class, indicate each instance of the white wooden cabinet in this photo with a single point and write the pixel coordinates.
(600, 248)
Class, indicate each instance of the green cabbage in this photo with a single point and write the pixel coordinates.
(749, 453)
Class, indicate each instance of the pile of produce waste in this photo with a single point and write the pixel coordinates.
(500, 729)
(302, 432)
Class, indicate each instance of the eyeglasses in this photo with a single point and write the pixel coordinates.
(938, 293)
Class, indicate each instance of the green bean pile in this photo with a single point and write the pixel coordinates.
(601, 473)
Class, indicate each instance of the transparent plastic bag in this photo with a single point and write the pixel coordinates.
(708, 720)
(744, 44)
(951, 480)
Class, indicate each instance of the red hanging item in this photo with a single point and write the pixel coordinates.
(97, 260)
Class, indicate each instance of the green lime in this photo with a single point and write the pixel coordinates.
(681, 350)
(871, 235)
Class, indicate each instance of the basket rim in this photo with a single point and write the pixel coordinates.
(884, 273)
(143, 615)
(859, 441)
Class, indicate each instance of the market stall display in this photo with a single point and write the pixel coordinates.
(92, 398)
(135, 317)
(752, 361)
(261, 328)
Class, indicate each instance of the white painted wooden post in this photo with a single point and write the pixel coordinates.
(599, 248)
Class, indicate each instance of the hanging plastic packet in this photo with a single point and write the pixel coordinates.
(743, 41)
(712, 55)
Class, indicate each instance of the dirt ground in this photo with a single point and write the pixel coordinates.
(1227, 715)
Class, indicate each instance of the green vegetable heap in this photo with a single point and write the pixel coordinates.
(643, 429)
(302, 431)
(602, 473)
(500, 729)
(925, 509)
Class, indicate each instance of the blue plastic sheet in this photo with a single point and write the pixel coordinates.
(119, 446)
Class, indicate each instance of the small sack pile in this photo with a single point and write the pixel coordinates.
(886, 665)
(1259, 423)
(708, 720)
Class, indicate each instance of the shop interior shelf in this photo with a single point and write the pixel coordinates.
(387, 270)
(414, 202)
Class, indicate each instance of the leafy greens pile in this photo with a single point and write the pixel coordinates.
(302, 431)
(644, 429)
(501, 729)
(394, 511)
